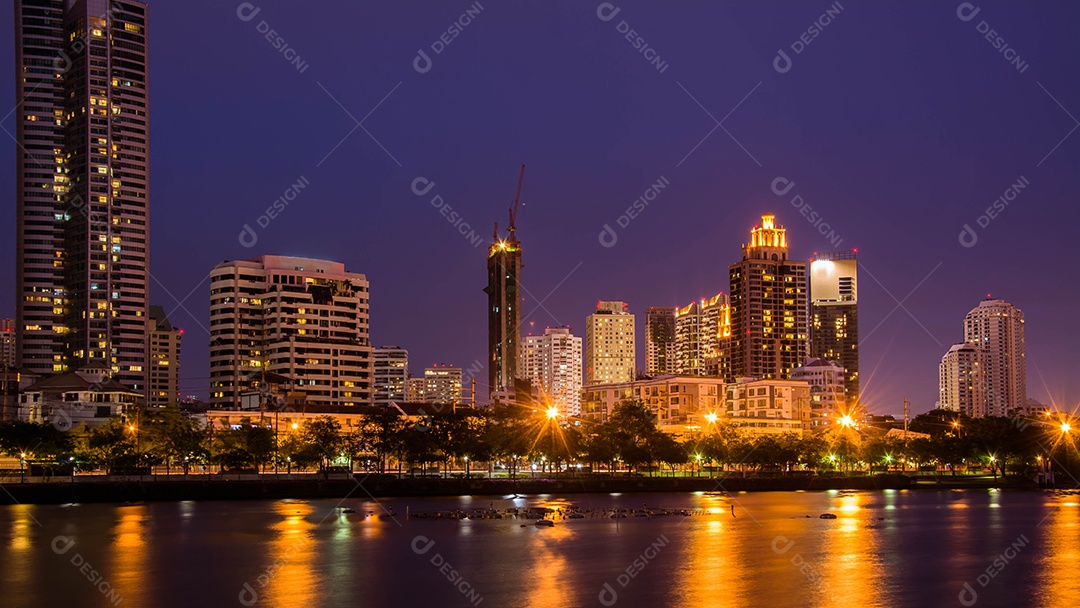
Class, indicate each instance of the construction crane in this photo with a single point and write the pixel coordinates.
(514, 209)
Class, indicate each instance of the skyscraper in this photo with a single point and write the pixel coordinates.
(699, 329)
(660, 348)
(82, 211)
(960, 381)
(7, 344)
(442, 384)
(609, 344)
(304, 319)
(768, 307)
(552, 363)
(996, 329)
(826, 380)
(163, 359)
(834, 315)
(504, 313)
(391, 374)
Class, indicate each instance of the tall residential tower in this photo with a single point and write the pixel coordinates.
(768, 307)
(661, 356)
(82, 210)
(552, 363)
(834, 315)
(609, 344)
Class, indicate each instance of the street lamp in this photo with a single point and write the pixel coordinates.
(1065, 427)
(552, 412)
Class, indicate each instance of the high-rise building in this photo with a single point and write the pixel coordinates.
(7, 344)
(661, 355)
(699, 329)
(609, 344)
(504, 312)
(442, 384)
(996, 329)
(82, 210)
(960, 382)
(768, 307)
(163, 357)
(391, 374)
(826, 380)
(304, 319)
(552, 363)
(834, 315)
(414, 389)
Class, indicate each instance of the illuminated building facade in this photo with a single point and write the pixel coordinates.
(768, 308)
(680, 403)
(768, 406)
(996, 329)
(834, 315)
(609, 344)
(391, 374)
(300, 318)
(82, 192)
(826, 380)
(7, 344)
(163, 356)
(504, 313)
(442, 384)
(552, 364)
(960, 381)
(700, 328)
(661, 355)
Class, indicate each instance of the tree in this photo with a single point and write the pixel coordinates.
(324, 433)
(383, 429)
(112, 445)
(171, 436)
(633, 428)
(34, 440)
(667, 450)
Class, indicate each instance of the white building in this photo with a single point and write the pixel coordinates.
(960, 384)
(996, 329)
(302, 318)
(609, 343)
(552, 363)
(826, 380)
(415, 389)
(768, 406)
(442, 384)
(87, 397)
(391, 374)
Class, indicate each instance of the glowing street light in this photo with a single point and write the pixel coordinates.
(295, 426)
(552, 412)
(711, 417)
(1065, 427)
(846, 420)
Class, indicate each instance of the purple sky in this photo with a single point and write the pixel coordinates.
(898, 123)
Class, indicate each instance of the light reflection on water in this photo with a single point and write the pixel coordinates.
(883, 549)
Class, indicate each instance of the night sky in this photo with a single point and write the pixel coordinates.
(898, 123)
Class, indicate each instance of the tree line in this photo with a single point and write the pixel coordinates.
(510, 437)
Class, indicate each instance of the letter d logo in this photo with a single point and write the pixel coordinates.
(608, 596)
(247, 11)
(422, 63)
(968, 596)
(607, 11)
(782, 66)
(967, 11)
(248, 237)
(62, 544)
(968, 237)
(608, 236)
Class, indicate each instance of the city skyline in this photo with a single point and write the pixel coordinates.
(925, 188)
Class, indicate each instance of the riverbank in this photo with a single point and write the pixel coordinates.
(385, 486)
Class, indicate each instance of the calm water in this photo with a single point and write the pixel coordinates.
(890, 548)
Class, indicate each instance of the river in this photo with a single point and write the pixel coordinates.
(884, 548)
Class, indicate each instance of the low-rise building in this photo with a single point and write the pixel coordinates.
(679, 402)
(87, 397)
(768, 406)
(826, 380)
